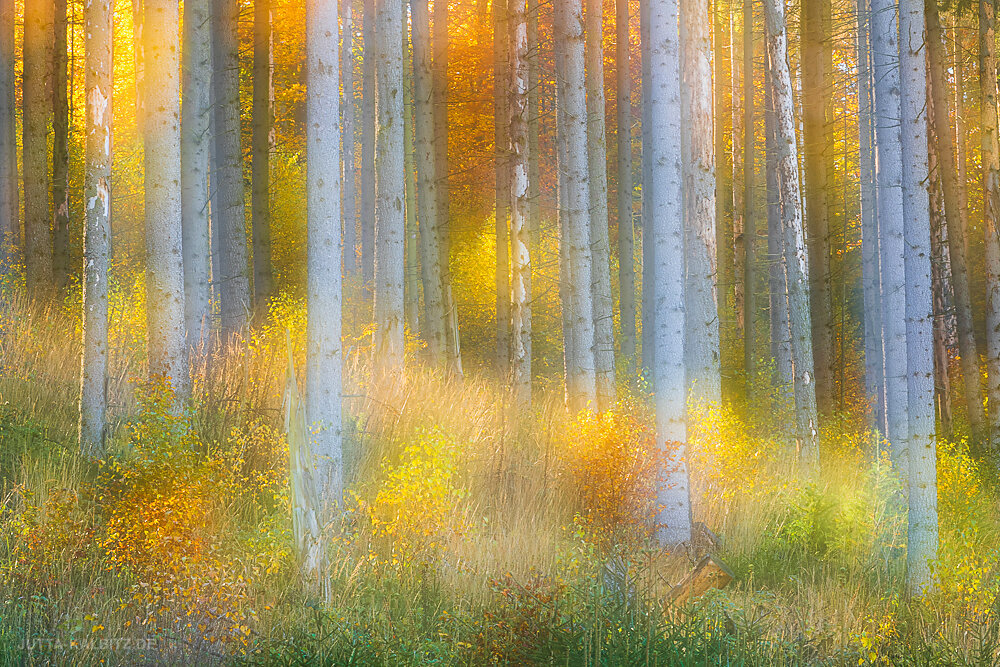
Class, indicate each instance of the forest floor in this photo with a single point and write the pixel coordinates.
(474, 534)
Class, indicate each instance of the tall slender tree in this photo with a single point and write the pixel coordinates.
(427, 195)
(411, 262)
(324, 352)
(888, 175)
(262, 139)
(36, 84)
(794, 257)
(389, 188)
(368, 142)
(9, 223)
(990, 129)
(195, 148)
(749, 226)
(600, 247)
(663, 49)
(626, 232)
(581, 377)
(922, 533)
(97, 18)
(948, 167)
(60, 148)
(162, 163)
(701, 343)
(230, 214)
(519, 222)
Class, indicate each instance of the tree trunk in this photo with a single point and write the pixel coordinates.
(323, 326)
(749, 218)
(162, 164)
(815, 102)
(991, 208)
(947, 165)
(781, 342)
(231, 213)
(98, 22)
(36, 85)
(581, 372)
(739, 208)
(389, 189)
(502, 184)
(626, 234)
(673, 520)
(519, 227)
(940, 283)
(411, 269)
(870, 273)
(60, 151)
(885, 46)
(368, 143)
(796, 267)
(565, 273)
(701, 343)
(9, 223)
(600, 248)
(348, 139)
(427, 184)
(195, 149)
(922, 533)
(260, 168)
(725, 260)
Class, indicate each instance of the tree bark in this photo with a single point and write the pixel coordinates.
(947, 165)
(262, 140)
(60, 150)
(348, 139)
(600, 248)
(749, 225)
(412, 265)
(323, 326)
(98, 22)
(673, 520)
(581, 371)
(794, 258)
(991, 208)
(885, 46)
(519, 221)
(389, 189)
(162, 164)
(922, 533)
(626, 234)
(941, 293)
(195, 150)
(815, 140)
(368, 144)
(36, 85)
(725, 259)
(9, 222)
(234, 280)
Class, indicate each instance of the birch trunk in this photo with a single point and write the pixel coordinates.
(60, 151)
(323, 325)
(519, 227)
(162, 164)
(368, 143)
(673, 520)
(581, 371)
(195, 140)
(701, 307)
(411, 264)
(626, 232)
(600, 248)
(36, 84)
(794, 258)
(725, 260)
(888, 161)
(922, 533)
(947, 164)
(98, 22)
(749, 225)
(262, 128)
(234, 279)
(389, 189)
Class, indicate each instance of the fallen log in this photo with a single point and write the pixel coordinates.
(709, 573)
